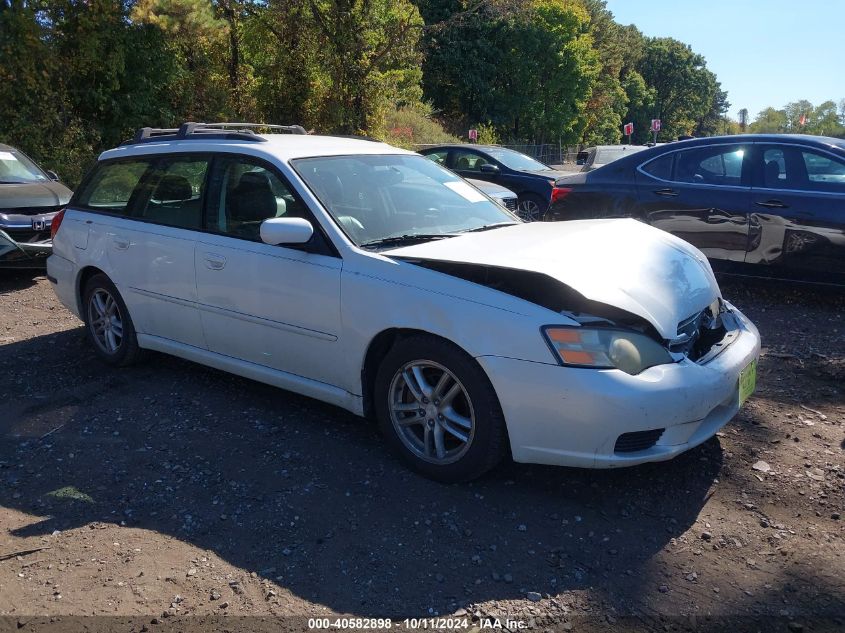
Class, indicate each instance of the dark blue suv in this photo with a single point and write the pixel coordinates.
(535, 184)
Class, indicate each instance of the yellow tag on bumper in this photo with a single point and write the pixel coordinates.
(747, 381)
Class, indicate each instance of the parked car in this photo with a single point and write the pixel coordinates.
(534, 183)
(600, 155)
(29, 199)
(371, 278)
(761, 205)
(503, 196)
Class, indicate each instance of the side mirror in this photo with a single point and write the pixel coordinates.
(277, 231)
(489, 168)
(53, 175)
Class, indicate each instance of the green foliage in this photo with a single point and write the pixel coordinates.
(409, 126)
(79, 76)
(826, 119)
(528, 70)
(487, 134)
(685, 91)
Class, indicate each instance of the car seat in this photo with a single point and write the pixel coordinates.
(771, 175)
(250, 203)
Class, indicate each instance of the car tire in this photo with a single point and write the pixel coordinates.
(532, 207)
(107, 323)
(448, 425)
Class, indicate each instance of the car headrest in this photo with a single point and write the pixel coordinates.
(252, 199)
(172, 187)
(329, 186)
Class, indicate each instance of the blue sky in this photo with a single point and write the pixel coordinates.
(764, 52)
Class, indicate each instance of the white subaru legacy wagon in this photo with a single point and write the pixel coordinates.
(371, 278)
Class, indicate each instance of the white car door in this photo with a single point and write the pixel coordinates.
(275, 306)
(153, 208)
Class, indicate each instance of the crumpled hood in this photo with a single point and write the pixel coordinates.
(33, 194)
(623, 263)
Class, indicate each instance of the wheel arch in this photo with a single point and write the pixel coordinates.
(380, 344)
(82, 278)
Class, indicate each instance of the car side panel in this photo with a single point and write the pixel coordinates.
(802, 237)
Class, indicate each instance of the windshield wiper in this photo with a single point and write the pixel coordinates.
(488, 227)
(411, 238)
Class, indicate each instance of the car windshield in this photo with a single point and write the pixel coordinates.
(517, 161)
(17, 168)
(383, 200)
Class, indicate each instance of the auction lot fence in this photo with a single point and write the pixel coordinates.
(548, 153)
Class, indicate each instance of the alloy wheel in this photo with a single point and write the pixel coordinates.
(529, 211)
(431, 412)
(105, 321)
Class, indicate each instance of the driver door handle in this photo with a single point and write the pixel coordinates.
(772, 204)
(666, 193)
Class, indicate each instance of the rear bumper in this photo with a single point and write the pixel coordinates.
(15, 254)
(574, 417)
(62, 273)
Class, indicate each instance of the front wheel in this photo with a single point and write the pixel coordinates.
(531, 207)
(108, 324)
(439, 411)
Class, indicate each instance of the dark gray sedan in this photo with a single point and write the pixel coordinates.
(29, 198)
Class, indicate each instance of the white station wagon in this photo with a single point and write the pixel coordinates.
(369, 277)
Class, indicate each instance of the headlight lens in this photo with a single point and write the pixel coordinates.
(603, 348)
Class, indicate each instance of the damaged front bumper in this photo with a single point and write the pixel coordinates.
(606, 418)
(19, 254)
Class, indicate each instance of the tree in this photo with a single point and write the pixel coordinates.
(370, 50)
(769, 121)
(527, 69)
(684, 89)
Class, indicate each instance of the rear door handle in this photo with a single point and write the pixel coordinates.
(215, 261)
(120, 243)
(666, 193)
(772, 204)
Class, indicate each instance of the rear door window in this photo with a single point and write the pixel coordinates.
(790, 167)
(112, 185)
(438, 157)
(174, 192)
(469, 161)
(720, 165)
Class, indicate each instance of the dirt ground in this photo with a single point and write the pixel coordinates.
(169, 490)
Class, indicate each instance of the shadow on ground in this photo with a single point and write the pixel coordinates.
(306, 494)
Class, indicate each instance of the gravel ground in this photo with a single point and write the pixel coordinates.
(170, 490)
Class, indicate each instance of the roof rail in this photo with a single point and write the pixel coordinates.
(205, 131)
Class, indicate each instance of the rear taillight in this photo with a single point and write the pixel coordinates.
(559, 193)
(56, 223)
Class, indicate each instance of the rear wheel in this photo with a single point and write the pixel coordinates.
(108, 324)
(531, 207)
(438, 410)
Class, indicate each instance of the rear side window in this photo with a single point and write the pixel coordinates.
(438, 157)
(112, 185)
(174, 192)
(660, 167)
(721, 165)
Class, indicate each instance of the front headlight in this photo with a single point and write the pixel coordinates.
(604, 348)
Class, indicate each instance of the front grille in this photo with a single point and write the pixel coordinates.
(637, 441)
(512, 204)
(28, 236)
